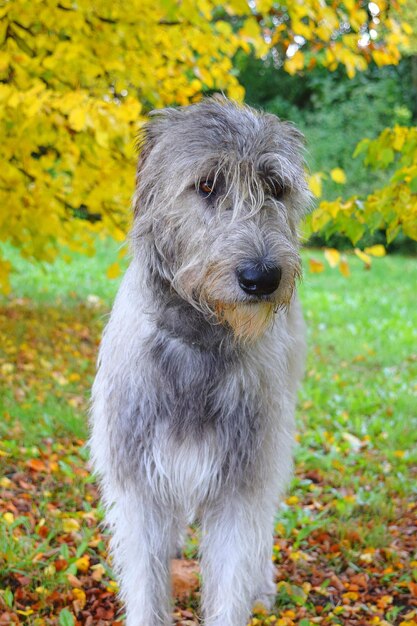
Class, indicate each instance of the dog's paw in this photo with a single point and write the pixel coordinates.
(265, 598)
(264, 603)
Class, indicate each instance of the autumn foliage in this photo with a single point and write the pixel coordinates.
(77, 79)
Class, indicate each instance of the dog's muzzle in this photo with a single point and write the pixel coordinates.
(259, 279)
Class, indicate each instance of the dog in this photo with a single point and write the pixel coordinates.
(193, 403)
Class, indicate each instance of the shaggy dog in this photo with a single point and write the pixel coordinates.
(193, 403)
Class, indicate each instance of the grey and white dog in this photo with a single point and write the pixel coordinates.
(193, 403)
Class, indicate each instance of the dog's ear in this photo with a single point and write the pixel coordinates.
(146, 140)
(151, 132)
(295, 135)
(286, 129)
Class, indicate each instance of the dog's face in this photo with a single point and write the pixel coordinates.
(220, 191)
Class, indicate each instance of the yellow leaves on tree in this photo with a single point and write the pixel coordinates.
(315, 184)
(338, 175)
(392, 208)
(76, 79)
(339, 33)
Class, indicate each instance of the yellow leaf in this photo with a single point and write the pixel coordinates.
(14, 100)
(377, 250)
(102, 138)
(205, 9)
(8, 517)
(363, 257)
(4, 61)
(236, 92)
(332, 257)
(381, 57)
(295, 63)
(399, 135)
(205, 76)
(315, 266)
(407, 28)
(344, 267)
(50, 570)
(5, 267)
(77, 119)
(260, 609)
(301, 29)
(224, 28)
(351, 595)
(83, 563)
(113, 271)
(250, 30)
(292, 500)
(26, 613)
(69, 525)
(195, 85)
(264, 6)
(98, 572)
(118, 234)
(79, 595)
(238, 6)
(315, 184)
(338, 175)
(112, 587)
(319, 218)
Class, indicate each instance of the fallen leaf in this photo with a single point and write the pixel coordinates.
(377, 250)
(332, 256)
(37, 465)
(344, 267)
(185, 578)
(363, 257)
(315, 266)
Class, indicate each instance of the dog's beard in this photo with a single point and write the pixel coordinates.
(247, 321)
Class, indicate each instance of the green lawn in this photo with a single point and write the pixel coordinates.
(345, 542)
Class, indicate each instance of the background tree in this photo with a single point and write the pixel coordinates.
(383, 189)
(77, 77)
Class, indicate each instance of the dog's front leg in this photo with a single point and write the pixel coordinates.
(141, 547)
(236, 557)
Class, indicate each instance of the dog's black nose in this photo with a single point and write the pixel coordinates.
(259, 279)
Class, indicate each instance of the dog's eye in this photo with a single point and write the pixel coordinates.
(277, 189)
(206, 188)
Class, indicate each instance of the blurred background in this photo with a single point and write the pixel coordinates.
(77, 80)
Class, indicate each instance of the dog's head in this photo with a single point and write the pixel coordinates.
(220, 191)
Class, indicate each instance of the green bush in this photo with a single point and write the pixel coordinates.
(335, 113)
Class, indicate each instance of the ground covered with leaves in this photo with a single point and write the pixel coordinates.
(345, 543)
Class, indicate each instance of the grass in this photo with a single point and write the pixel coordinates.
(351, 506)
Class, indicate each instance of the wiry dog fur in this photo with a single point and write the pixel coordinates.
(193, 404)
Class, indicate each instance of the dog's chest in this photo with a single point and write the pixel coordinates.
(209, 414)
(198, 391)
(187, 472)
